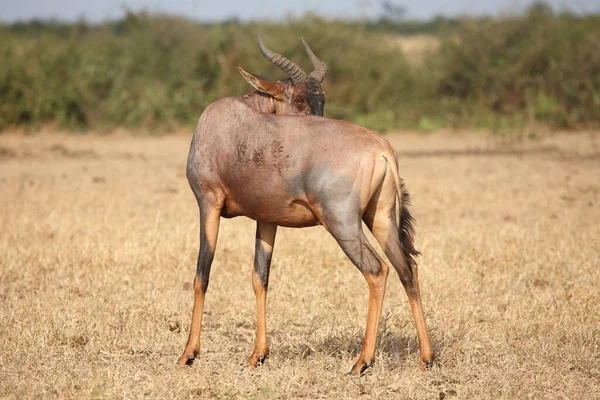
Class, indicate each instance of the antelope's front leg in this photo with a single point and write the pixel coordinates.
(209, 229)
(265, 240)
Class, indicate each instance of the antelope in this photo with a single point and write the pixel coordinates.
(297, 171)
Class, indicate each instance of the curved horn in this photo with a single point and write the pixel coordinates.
(294, 72)
(320, 67)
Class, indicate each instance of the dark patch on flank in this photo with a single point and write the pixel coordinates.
(276, 147)
(241, 150)
(280, 157)
(258, 156)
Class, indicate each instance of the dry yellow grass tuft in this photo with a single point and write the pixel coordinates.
(98, 243)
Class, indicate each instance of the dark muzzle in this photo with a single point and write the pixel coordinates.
(317, 104)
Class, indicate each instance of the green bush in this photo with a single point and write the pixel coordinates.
(157, 73)
(542, 65)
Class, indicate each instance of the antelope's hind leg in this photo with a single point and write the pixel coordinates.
(265, 240)
(347, 231)
(209, 228)
(380, 218)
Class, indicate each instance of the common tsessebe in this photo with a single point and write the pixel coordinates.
(272, 157)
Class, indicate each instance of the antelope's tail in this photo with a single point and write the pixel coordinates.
(406, 230)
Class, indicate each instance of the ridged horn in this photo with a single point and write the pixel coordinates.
(320, 67)
(294, 72)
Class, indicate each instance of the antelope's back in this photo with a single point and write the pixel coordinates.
(272, 167)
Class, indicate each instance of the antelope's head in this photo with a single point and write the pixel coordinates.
(300, 93)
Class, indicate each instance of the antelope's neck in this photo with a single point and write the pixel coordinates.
(261, 102)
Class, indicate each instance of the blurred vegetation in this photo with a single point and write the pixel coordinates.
(158, 73)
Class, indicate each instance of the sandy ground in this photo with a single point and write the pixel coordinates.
(98, 242)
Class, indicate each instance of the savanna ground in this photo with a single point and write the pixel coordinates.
(98, 244)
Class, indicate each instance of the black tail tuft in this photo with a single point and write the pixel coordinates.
(406, 228)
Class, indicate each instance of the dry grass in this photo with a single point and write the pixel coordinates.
(415, 47)
(97, 256)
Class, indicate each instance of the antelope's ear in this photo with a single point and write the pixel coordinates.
(261, 84)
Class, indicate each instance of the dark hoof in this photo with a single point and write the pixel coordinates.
(427, 364)
(261, 358)
(186, 361)
(359, 370)
(257, 360)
